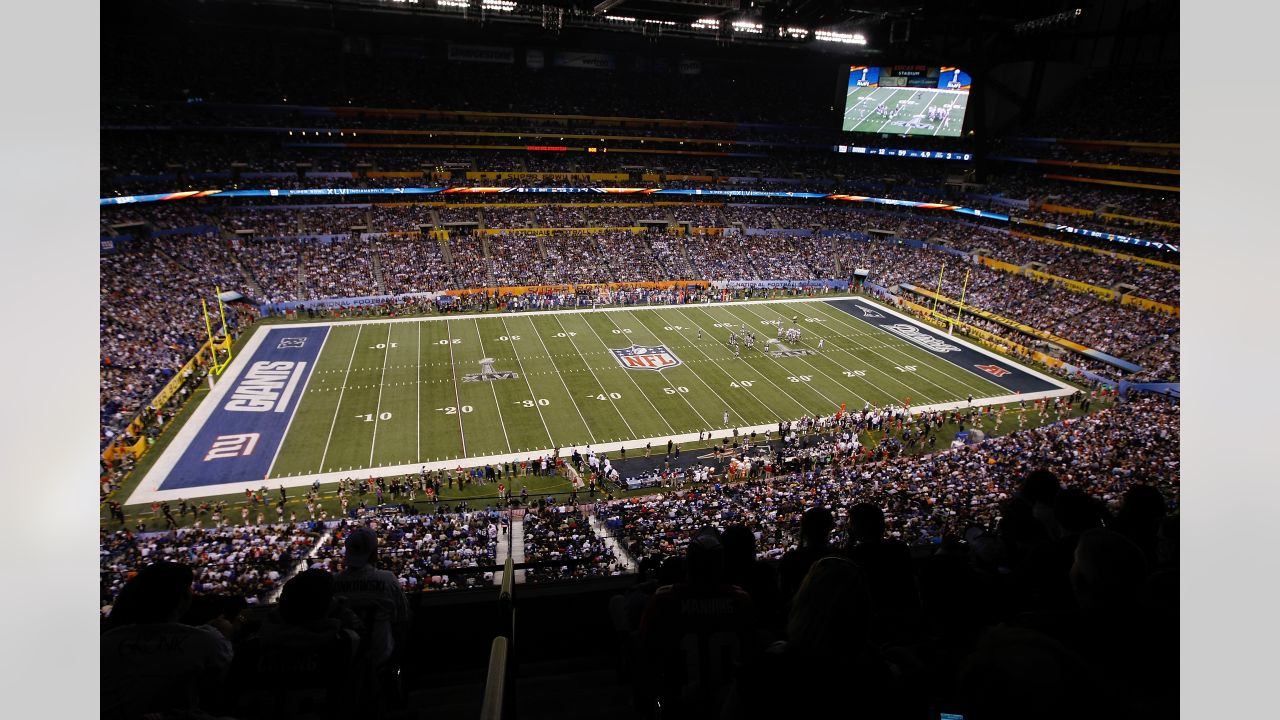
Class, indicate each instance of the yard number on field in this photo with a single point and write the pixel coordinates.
(368, 417)
(451, 410)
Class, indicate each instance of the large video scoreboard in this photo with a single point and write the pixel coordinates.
(906, 100)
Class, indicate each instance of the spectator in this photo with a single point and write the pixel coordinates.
(301, 637)
(375, 596)
(758, 578)
(827, 660)
(886, 562)
(151, 663)
(685, 670)
(815, 543)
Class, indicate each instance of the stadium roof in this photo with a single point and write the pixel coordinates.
(777, 22)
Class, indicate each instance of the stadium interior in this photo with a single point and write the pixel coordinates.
(281, 165)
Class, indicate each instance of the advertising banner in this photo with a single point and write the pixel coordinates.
(584, 60)
(482, 54)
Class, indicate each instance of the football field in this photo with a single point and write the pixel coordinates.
(912, 106)
(307, 401)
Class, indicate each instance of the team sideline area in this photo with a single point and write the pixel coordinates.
(480, 359)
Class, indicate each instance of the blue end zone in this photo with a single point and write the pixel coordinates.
(238, 442)
(995, 369)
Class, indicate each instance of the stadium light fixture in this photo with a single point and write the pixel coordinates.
(620, 18)
(706, 24)
(793, 32)
(498, 5)
(463, 4)
(746, 26)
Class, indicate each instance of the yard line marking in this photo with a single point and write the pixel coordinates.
(507, 331)
(631, 378)
(341, 390)
(377, 413)
(765, 376)
(730, 376)
(533, 326)
(418, 406)
(773, 360)
(909, 388)
(937, 364)
(694, 372)
(496, 404)
(453, 370)
(289, 424)
(603, 390)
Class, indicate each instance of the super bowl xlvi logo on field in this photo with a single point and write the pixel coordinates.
(646, 357)
(487, 373)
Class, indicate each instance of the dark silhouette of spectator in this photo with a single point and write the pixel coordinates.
(1115, 629)
(1163, 583)
(151, 663)
(378, 600)
(1049, 567)
(300, 648)
(693, 633)
(827, 660)
(1040, 488)
(758, 578)
(1142, 509)
(1016, 673)
(666, 572)
(885, 562)
(815, 544)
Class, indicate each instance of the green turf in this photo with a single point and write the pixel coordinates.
(386, 394)
(861, 101)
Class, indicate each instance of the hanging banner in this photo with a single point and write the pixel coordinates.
(585, 60)
(482, 54)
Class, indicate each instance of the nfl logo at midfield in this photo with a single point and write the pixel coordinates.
(646, 357)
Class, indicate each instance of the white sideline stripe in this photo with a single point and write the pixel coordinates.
(291, 386)
(148, 490)
(934, 361)
(611, 447)
(178, 446)
(528, 313)
(960, 341)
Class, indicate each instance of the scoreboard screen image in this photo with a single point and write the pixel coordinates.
(906, 100)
